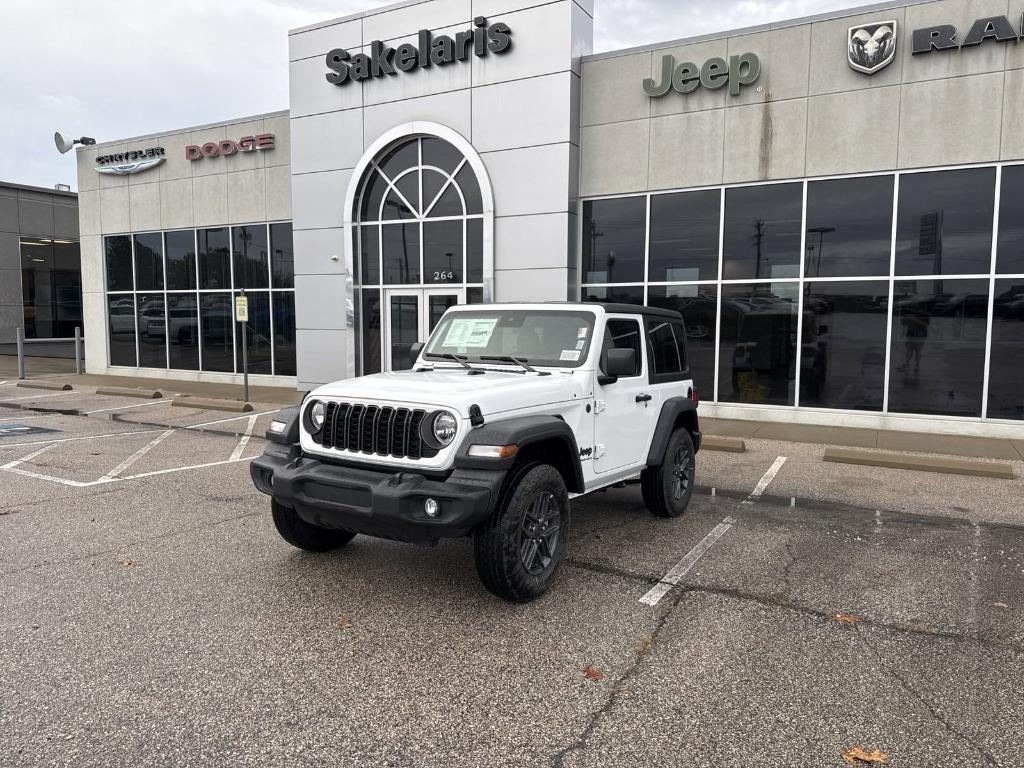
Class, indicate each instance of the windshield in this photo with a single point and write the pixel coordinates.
(555, 338)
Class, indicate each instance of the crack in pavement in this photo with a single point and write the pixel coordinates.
(944, 722)
(580, 743)
(610, 570)
(137, 542)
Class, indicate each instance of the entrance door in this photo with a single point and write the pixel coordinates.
(410, 315)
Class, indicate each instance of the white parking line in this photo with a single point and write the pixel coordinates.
(126, 407)
(233, 418)
(136, 456)
(237, 453)
(182, 469)
(23, 459)
(765, 480)
(83, 437)
(35, 397)
(674, 576)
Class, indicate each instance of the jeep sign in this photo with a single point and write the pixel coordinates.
(687, 77)
(441, 50)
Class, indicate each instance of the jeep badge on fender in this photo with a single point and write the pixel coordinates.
(509, 411)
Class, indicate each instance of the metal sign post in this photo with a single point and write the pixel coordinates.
(242, 316)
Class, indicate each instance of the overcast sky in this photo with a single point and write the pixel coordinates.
(118, 68)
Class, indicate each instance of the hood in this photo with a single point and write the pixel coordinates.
(494, 391)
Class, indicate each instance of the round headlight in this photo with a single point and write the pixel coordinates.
(445, 427)
(317, 413)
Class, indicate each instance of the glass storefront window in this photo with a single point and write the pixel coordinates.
(282, 256)
(284, 332)
(180, 247)
(617, 294)
(762, 232)
(371, 330)
(152, 329)
(443, 252)
(1006, 369)
(474, 250)
(214, 259)
(842, 360)
(149, 262)
(216, 323)
(757, 345)
(249, 248)
(944, 222)
(938, 346)
(51, 285)
(613, 240)
(698, 305)
(684, 236)
(183, 331)
(121, 329)
(369, 253)
(118, 252)
(849, 227)
(1010, 254)
(257, 334)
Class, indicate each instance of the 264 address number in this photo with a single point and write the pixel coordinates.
(444, 276)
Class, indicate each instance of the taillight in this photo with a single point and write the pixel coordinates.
(692, 395)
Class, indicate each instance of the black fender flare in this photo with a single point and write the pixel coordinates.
(521, 431)
(671, 410)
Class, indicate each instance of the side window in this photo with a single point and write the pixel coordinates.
(679, 329)
(664, 350)
(622, 334)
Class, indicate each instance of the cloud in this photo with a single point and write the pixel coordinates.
(115, 68)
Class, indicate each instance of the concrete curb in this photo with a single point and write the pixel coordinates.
(59, 386)
(943, 464)
(205, 403)
(148, 394)
(725, 444)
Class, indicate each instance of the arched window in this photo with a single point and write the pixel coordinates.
(419, 217)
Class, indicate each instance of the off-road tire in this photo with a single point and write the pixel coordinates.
(303, 535)
(662, 496)
(520, 529)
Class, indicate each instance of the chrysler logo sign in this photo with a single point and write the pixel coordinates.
(133, 161)
(432, 51)
(871, 47)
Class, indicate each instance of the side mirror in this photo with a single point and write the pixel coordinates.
(414, 352)
(618, 362)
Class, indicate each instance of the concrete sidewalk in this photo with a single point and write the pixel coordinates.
(56, 369)
(881, 439)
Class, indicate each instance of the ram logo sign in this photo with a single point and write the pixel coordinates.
(871, 47)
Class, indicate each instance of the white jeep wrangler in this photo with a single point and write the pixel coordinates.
(509, 411)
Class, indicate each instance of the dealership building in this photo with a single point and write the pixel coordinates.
(835, 204)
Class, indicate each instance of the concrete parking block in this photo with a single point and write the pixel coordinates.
(943, 464)
(234, 406)
(57, 385)
(148, 394)
(724, 444)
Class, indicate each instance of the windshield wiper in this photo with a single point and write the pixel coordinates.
(460, 359)
(520, 361)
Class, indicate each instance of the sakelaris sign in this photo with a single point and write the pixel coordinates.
(438, 51)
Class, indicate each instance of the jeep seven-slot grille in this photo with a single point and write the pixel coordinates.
(374, 429)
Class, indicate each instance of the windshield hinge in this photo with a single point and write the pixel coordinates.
(599, 406)
(599, 450)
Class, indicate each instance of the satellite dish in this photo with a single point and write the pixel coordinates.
(63, 143)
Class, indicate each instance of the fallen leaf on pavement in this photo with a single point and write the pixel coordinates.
(858, 754)
(592, 674)
(846, 618)
(127, 563)
(344, 622)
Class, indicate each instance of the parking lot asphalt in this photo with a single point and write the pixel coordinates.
(151, 616)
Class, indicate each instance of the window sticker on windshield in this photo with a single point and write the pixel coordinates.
(581, 344)
(570, 355)
(582, 333)
(466, 332)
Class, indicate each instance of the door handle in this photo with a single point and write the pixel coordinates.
(643, 398)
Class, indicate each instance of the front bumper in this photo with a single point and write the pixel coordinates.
(385, 504)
